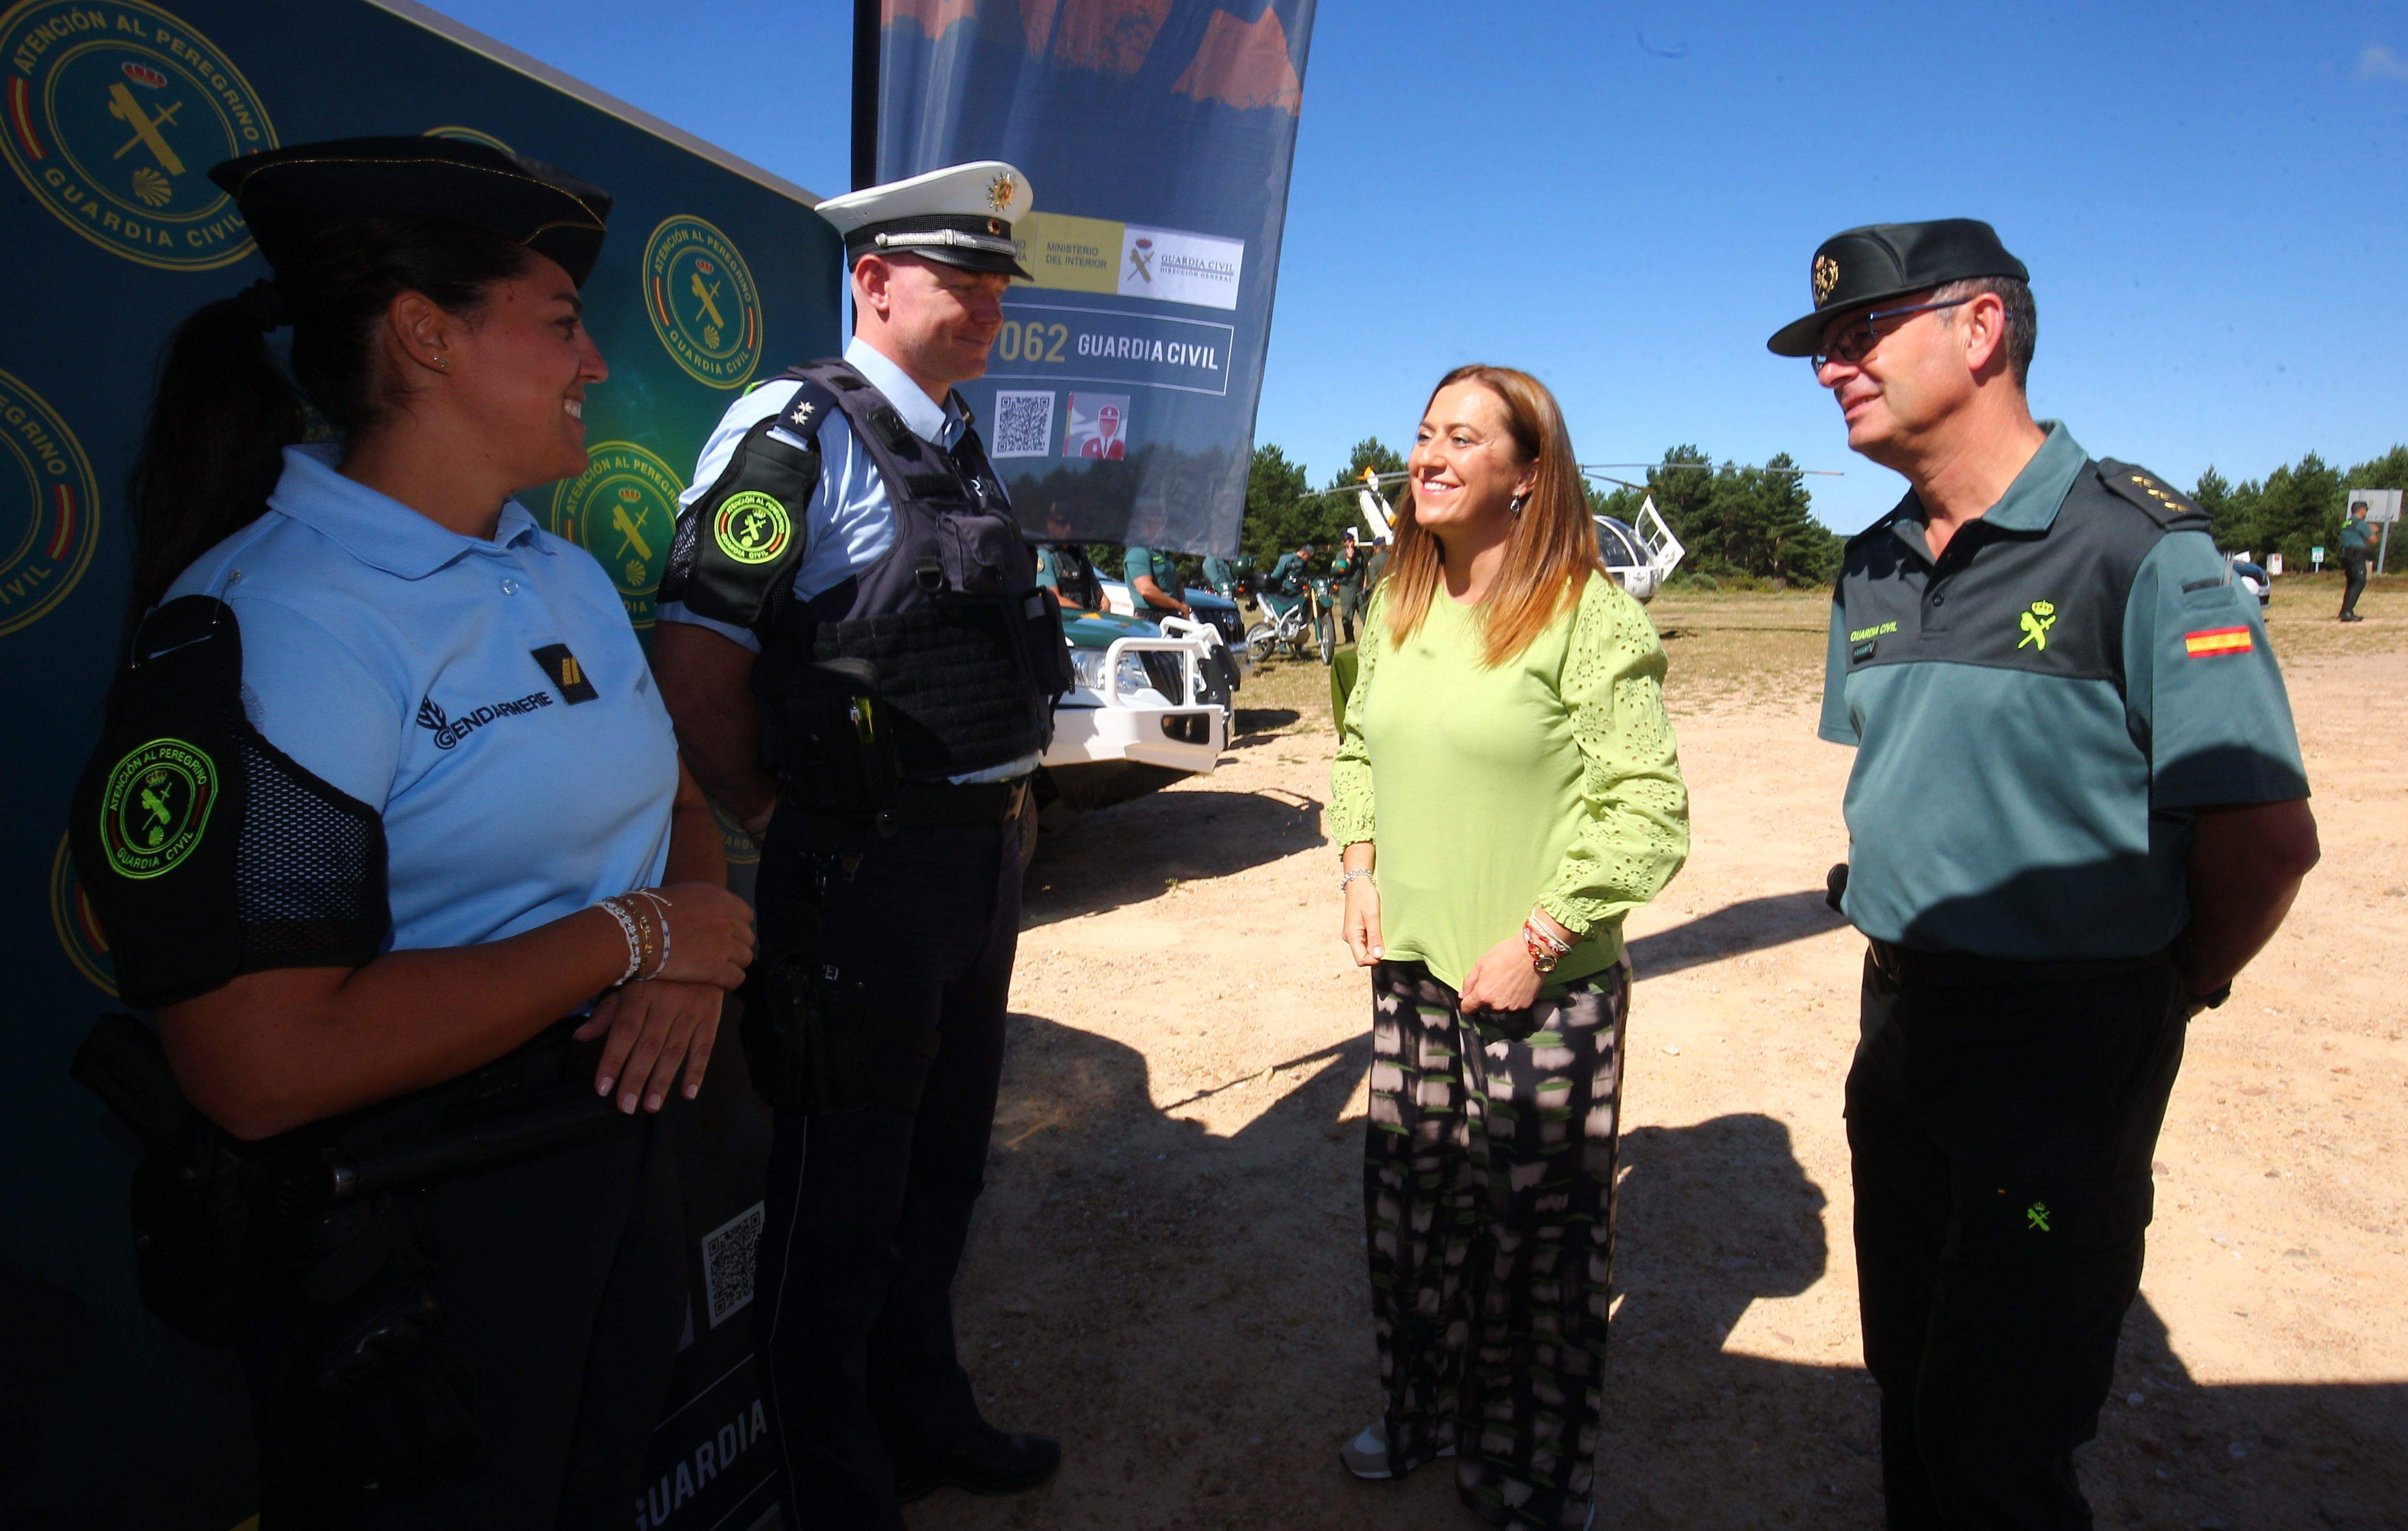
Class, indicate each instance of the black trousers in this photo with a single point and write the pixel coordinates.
(563, 1284)
(2353, 579)
(869, 1209)
(2000, 1140)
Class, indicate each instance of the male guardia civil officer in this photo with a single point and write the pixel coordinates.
(2356, 534)
(2076, 810)
(862, 667)
(1156, 590)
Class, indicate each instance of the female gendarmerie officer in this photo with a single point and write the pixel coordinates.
(385, 793)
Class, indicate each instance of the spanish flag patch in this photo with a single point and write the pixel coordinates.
(2218, 641)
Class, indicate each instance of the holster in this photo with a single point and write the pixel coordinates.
(195, 1188)
(810, 1033)
(807, 1030)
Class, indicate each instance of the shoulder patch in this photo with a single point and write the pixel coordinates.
(737, 545)
(2163, 504)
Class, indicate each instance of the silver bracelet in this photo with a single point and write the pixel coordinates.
(626, 928)
(660, 903)
(1348, 880)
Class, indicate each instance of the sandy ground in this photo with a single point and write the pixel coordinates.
(1167, 1272)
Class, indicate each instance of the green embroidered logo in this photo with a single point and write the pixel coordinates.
(155, 806)
(2036, 624)
(2036, 1217)
(752, 528)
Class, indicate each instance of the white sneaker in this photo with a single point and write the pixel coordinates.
(1366, 1454)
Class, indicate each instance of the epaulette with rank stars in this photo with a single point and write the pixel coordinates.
(2167, 507)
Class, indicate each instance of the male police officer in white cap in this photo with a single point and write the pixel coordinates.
(862, 668)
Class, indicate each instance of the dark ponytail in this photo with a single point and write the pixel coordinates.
(226, 410)
(224, 415)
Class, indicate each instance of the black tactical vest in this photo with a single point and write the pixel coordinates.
(957, 647)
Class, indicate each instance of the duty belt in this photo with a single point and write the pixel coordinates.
(943, 806)
(1911, 969)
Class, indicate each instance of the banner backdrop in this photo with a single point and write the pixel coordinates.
(1119, 403)
(713, 272)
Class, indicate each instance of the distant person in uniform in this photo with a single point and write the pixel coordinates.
(1221, 576)
(425, 896)
(1346, 583)
(2357, 537)
(1283, 588)
(1108, 442)
(1154, 587)
(1063, 567)
(2076, 811)
(1376, 567)
(857, 653)
(1506, 790)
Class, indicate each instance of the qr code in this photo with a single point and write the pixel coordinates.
(1023, 422)
(727, 1253)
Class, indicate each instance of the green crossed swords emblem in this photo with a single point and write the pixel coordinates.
(2036, 624)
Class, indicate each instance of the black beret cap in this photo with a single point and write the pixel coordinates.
(289, 195)
(1861, 266)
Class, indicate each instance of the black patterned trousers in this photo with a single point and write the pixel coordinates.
(1488, 1189)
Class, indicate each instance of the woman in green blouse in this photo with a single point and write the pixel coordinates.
(1507, 768)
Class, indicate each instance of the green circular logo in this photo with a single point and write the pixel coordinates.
(750, 527)
(622, 510)
(116, 110)
(77, 924)
(702, 301)
(157, 807)
(49, 506)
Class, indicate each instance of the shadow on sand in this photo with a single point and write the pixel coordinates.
(1188, 1311)
(1750, 924)
(1130, 852)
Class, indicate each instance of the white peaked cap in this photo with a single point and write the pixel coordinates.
(961, 215)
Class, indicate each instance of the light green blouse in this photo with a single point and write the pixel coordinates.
(1550, 779)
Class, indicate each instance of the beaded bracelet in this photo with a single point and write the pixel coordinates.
(618, 912)
(1532, 927)
(662, 916)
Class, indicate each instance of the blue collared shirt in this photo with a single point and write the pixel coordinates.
(850, 523)
(397, 661)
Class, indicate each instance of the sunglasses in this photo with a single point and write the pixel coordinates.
(1856, 342)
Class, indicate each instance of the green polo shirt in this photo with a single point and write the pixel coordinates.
(2354, 534)
(1165, 576)
(2037, 714)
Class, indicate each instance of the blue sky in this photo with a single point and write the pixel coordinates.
(1623, 198)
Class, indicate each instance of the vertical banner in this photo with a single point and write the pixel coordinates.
(111, 112)
(1157, 134)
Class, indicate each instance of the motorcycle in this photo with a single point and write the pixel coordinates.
(1310, 617)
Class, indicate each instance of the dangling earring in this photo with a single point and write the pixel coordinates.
(1514, 505)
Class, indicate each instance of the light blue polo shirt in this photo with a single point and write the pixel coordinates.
(399, 662)
(850, 523)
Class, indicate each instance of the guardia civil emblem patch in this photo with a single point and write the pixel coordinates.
(752, 528)
(702, 301)
(622, 510)
(1826, 277)
(49, 508)
(116, 110)
(156, 807)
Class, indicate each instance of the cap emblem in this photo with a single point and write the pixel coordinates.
(1826, 277)
(1001, 190)
(995, 226)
